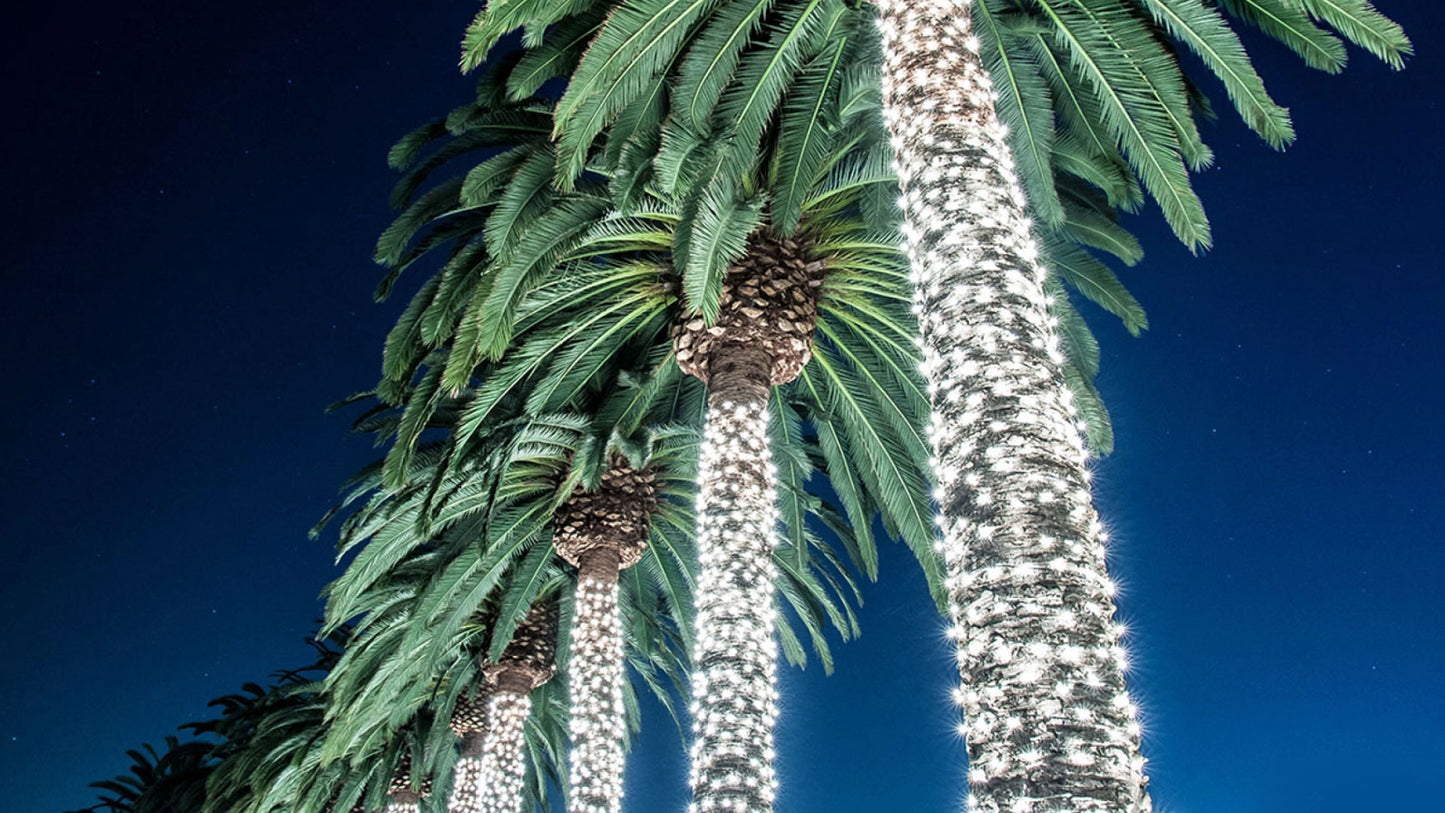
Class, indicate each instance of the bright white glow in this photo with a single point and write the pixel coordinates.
(466, 786)
(733, 687)
(503, 762)
(1021, 542)
(595, 681)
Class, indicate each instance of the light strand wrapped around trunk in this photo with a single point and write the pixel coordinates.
(734, 694)
(595, 680)
(1048, 722)
(503, 763)
(467, 776)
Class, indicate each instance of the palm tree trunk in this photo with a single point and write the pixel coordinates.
(734, 694)
(467, 775)
(401, 796)
(602, 532)
(503, 763)
(1049, 724)
(527, 662)
(595, 683)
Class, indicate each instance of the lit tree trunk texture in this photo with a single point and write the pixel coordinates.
(595, 680)
(527, 663)
(503, 764)
(1048, 723)
(469, 722)
(602, 533)
(734, 676)
(762, 337)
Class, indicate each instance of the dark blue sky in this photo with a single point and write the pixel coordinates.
(193, 196)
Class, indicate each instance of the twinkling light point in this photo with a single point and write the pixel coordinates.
(1048, 724)
(734, 693)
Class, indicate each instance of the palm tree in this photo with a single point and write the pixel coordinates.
(515, 487)
(613, 290)
(1050, 725)
(755, 330)
(469, 723)
(601, 533)
(528, 662)
(1117, 78)
(260, 733)
(484, 550)
(1020, 533)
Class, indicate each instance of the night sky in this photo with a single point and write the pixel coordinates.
(193, 191)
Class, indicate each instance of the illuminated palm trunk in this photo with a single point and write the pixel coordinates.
(503, 763)
(595, 683)
(734, 693)
(469, 723)
(762, 338)
(527, 663)
(602, 532)
(1048, 722)
(467, 780)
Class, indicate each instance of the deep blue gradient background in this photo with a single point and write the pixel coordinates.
(193, 190)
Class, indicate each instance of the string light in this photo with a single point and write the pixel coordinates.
(602, 532)
(503, 765)
(1022, 546)
(733, 687)
(466, 785)
(595, 683)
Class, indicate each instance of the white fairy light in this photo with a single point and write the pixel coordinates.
(503, 765)
(466, 785)
(1021, 543)
(735, 702)
(408, 806)
(595, 670)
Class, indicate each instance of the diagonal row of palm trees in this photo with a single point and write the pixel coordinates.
(751, 242)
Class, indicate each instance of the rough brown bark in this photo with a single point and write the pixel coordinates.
(602, 564)
(515, 679)
(472, 743)
(739, 374)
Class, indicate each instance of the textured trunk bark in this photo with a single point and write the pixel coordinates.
(1049, 724)
(403, 802)
(504, 751)
(735, 702)
(595, 681)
